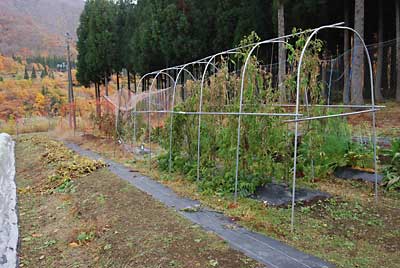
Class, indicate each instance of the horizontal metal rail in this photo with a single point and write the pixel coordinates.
(217, 113)
(338, 106)
(331, 116)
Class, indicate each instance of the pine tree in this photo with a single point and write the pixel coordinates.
(96, 44)
(33, 75)
(44, 73)
(83, 72)
(26, 75)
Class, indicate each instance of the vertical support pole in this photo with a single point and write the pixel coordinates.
(171, 110)
(118, 109)
(201, 110)
(171, 117)
(296, 133)
(149, 120)
(240, 114)
(375, 152)
(199, 123)
(134, 124)
(72, 118)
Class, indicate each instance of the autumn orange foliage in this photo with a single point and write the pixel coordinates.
(28, 105)
(20, 98)
(9, 66)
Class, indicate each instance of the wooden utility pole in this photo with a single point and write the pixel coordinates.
(71, 101)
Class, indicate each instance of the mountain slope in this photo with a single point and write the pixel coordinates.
(37, 26)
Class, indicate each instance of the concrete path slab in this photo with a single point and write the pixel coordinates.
(8, 204)
(270, 252)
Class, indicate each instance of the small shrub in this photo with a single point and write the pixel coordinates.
(85, 237)
(392, 171)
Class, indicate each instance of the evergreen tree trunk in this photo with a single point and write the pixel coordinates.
(106, 84)
(134, 81)
(379, 65)
(393, 73)
(117, 81)
(398, 50)
(385, 73)
(98, 108)
(129, 83)
(358, 66)
(282, 54)
(99, 101)
(346, 56)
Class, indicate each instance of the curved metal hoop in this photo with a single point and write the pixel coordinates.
(135, 107)
(298, 108)
(149, 106)
(182, 68)
(241, 107)
(236, 51)
(296, 115)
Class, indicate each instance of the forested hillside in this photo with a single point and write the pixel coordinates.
(33, 27)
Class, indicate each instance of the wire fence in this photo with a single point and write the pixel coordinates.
(217, 93)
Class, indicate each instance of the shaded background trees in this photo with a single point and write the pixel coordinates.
(146, 35)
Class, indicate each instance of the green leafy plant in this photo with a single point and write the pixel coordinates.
(392, 172)
(67, 186)
(85, 237)
(266, 145)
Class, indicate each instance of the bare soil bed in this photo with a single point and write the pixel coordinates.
(97, 220)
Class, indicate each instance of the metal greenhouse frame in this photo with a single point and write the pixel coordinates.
(296, 118)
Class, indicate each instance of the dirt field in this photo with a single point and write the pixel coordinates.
(97, 220)
(388, 120)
